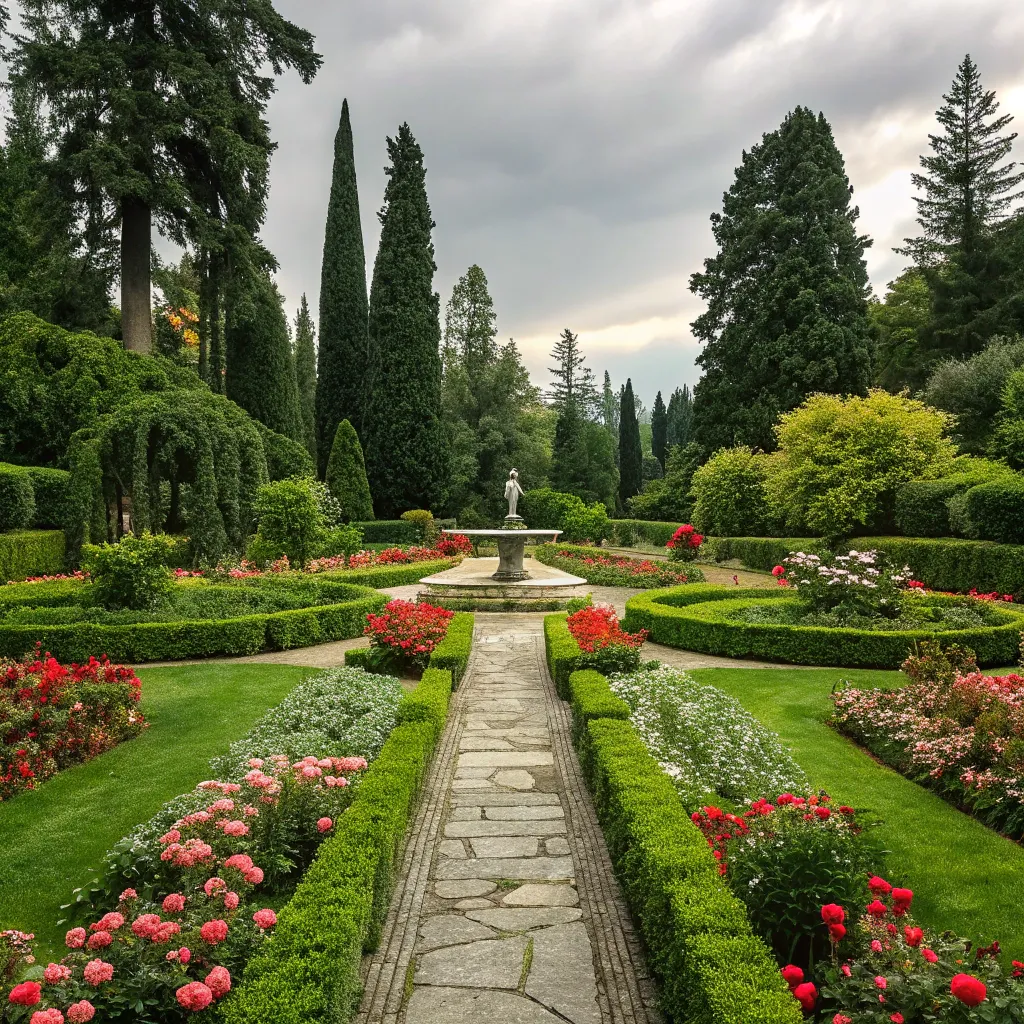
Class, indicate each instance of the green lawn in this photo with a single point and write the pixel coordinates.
(964, 876)
(53, 836)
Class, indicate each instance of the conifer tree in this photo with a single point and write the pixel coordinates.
(305, 375)
(469, 323)
(343, 369)
(631, 456)
(160, 108)
(573, 382)
(967, 188)
(680, 413)
(407, 451)
(659, 431)
(346, 475)
(260, 370)
(786, 292)
(609, 408)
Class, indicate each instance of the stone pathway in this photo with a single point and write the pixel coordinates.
(506, 909)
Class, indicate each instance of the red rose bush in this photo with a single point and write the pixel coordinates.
(405, 633)
(685, 544)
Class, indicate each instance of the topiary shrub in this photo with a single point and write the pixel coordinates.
(51, 488)
(424, 523)
(132, 574)
(996, 511)
(17, 500)
(346, 475)
(922, 507)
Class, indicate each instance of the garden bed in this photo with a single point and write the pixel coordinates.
(704, 619)
(604, 570)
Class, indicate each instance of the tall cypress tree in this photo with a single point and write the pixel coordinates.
(631, 456)
(407, 453)
(343, 369)
(346, 476)
(609, 408)
(305, 375)
(260, 370)
(659, 431)
(680, 413)
(786, 292)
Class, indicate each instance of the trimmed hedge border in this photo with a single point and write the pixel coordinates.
(384, 576)
(627, 532)
(699, 940)
(692, 618)
(308, 972)
(940, 563)
(26, 553)
(563, 653)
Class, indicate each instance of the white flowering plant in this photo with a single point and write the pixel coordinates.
(860, 583)
(704, 740)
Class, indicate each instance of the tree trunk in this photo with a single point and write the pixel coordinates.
(136, 299)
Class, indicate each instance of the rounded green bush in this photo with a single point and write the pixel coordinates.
(17, 499)
(696, 618)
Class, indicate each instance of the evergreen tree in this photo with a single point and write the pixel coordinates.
(260, 371)
(346, 475)
(469, 323)
(609, 408)
(900, 321)
(659, 431)
(160, 109)
(407, 454)
(304, 357)
(680, 415)
(786, 292)
(967, 187)
(583, 458)
(573, 381)
(343, 371)
(631, 456)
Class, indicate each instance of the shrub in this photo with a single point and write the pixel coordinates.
(51, 489)
(669, 498)
(729, 493)
(132, 574)
(760, 553)
(346, 475)
(862, 583)
(17, 501)
(685, 544)
(405, 633)
(606, 570)
(603, 644)
(627, 533)
(291, 521)
(31, 553)
(841, 460)
(423, 520)
(545, 509)
(286, 458)
(996, 511)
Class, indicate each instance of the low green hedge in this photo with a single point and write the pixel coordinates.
(17, 500)
(308, 972)
(996, 511)
(922, 508)
(390, 531)
(693, 618)
(627, 533)
(383, 577)
(591, 697)
(759, 553)
(31, 553)
(563, 653)
(699, 941)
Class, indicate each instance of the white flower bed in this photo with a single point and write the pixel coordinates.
(705, 740)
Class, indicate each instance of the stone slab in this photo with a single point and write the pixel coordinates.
(505, 846)
(562, 973)
(504, 800)
(474, 903)
(525, 869)
(557, 846)
(515, 778)
(476, 829)
(461, 785)
(506, 759)
(490, 963)
(453, 848)
(430, 1005)
(483, 743)
(466, 814)
(466, 887)
(528, 812)
(521, 919)
(533, 895)
(451, 930)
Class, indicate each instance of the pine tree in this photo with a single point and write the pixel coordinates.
(659, 431)
(469, 323)
(631, 456)
(786, 292)
(967, 188)
(260, 370)
(160, 106)
(407, 453)
(680, 415)
(305, 375)
(346, 475)
(573, 381)
(343, 371)
(609, 408)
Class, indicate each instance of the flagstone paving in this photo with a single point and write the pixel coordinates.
(506, 909)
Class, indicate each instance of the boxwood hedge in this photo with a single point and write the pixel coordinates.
(628, 533)
(694, 618)
(31, 553)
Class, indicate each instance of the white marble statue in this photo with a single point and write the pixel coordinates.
(512, 493)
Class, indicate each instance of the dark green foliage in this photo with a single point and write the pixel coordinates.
(921, 509)
(697, 618)
(591, 697)
(131, 575)
(669, 498)
(31, 553)
(583, 458)
(659, 431)
(87, 506)
(17, 500)
(900, 321)
(545, 509)
(285, 458)
(787, 291)
(631, 456)
(346, 475)
(304, 360)
(764, 553)
(343, 359)
(50, 487)
(627, 533)
(261, 374)
(573, 381)
(609, 408)
(680, 417)
(996, 511)
(406, 447)
(1008, 440)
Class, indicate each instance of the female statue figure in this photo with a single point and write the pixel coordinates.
(512, 493)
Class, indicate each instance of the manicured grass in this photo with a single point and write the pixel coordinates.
(52, 837)
(964, 876)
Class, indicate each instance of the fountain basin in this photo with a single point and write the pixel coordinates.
(511, 549)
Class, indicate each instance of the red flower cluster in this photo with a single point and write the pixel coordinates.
(622, 571)
(685, 543)
(52, 716)
(597, 626)
(408, 629)
(805, 992)
(452, 544)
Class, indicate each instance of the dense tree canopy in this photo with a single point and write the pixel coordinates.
(631, 456)
(787, 290)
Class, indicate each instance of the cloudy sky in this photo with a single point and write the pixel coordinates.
(575, 148)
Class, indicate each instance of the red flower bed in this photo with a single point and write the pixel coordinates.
(604, 644)
(685, 543)
(54, 715)
(407, 631)
(605, 570)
